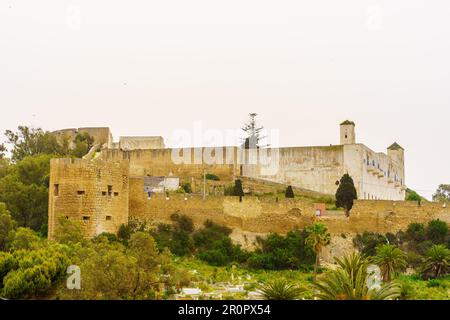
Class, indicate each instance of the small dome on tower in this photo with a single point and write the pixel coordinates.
(347, 123)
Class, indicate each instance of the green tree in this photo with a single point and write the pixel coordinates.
(416, 232)
(367, 243)
(67, 231)
(278, 252)
(31, 141)
(83, 143)
(7, 225)
(349, 282)
(413, 196)
(112, 271)
(437, 231)
(281, 289)
(318, 238)
(5, 167)
(238, 190)
(28, 203)
(437, 262)
(289, 192)
(32, 273)
(346, 194)
(24, 190)
(2, 150)
(391, 260)
(442, 193)
(34, 170)
(23, 239)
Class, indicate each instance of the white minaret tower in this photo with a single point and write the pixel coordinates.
(348, 135)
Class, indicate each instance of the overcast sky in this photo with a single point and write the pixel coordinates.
(151, 67)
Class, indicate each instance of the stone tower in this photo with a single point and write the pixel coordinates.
(93, 194)
(397, 153)
(348, 135)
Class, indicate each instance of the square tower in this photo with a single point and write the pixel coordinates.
(348, 135)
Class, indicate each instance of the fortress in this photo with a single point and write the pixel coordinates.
(106, 188)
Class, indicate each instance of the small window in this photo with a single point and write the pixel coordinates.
(56, 190)
(104, 193)
(108, 218)
(116, 194)
(110, 190)
(86, 218)
(81, 192)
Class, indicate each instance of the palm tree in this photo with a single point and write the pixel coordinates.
(349, 282)
(437, 261)
(317, 239)
(390, 259)
(281, 289)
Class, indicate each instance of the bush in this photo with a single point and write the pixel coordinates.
(109, 236)
(413, 196)
(437, 231)
(223, 252)
(210, 233)
(367, 243)
(183, 222)
(211, 176)
(28, 274)
(229, 190)
(176, 238)
(124, 232)
(187, 187)
(416, 232)
(278, 252)
(68, 231)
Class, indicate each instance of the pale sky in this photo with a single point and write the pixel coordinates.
(151, 67)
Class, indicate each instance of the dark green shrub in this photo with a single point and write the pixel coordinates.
(211, 176)
(289, 192)
(238, 190)
(187, 187)
(367, 242)
(416, 232)
(413, 196)
(125, 232)
(109, 236)
(278, 252)
(210, 233)
(437, 231)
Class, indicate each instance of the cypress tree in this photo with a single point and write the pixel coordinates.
(289, 192)
(238, 191)
(346, 194)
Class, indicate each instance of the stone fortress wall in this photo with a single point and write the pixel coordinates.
(107, 191)
(377, 175)
(262, 215)
(101, 196)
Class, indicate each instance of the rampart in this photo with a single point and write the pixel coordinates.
(266, 215)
